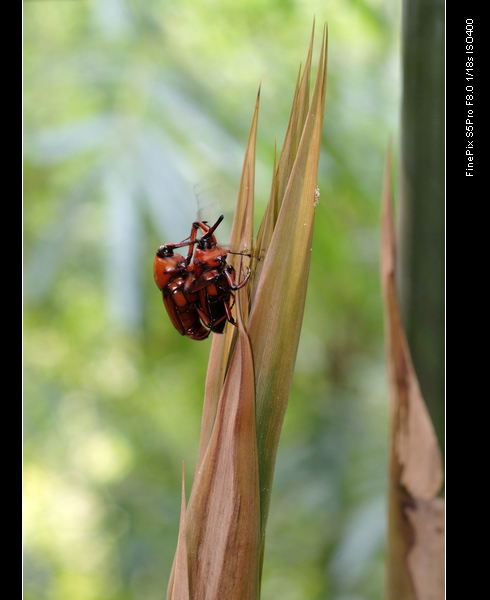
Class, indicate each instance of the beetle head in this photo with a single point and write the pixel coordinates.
(165, 251)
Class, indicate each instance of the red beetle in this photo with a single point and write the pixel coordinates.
(197, 296)
(170, 273)
(211, 276)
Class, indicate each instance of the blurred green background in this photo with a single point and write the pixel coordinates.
(136, 116)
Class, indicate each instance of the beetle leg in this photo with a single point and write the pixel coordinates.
(192, 241)
(209, 322)
(203, 316)
(229, 278)
(195, 284)
(229, 316)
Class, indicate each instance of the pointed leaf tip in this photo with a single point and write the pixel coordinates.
(178, 586)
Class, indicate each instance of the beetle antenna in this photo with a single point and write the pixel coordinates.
(241, 253)
(245, 254)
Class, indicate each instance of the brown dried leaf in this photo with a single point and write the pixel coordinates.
(425, 559)
(223, 516)
(415, 477)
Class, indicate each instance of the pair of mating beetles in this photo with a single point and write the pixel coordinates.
(197, 294)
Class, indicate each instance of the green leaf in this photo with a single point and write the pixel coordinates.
(278, 304)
